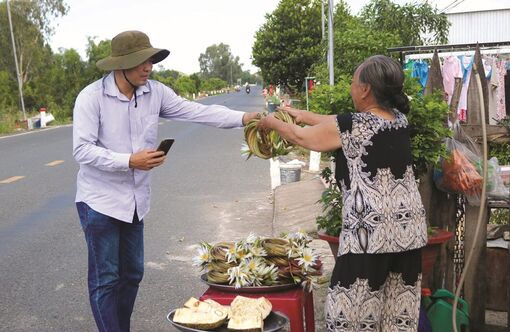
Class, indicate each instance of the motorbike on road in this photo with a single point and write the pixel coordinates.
(247, 89)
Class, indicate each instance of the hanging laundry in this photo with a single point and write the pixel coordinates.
(409, 65)
(487, 68)
(451, 71)
(507, 89)
(493, 89)
(420, 70)
(466, 64)
(500, 101)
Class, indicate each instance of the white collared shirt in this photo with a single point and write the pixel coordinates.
(107, 129)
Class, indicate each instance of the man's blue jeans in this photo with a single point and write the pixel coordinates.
(115, 259)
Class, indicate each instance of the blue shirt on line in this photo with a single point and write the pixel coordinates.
(107, 129)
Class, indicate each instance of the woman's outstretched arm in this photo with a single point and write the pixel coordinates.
(321, 137)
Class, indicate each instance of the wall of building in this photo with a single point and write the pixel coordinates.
(479, 26)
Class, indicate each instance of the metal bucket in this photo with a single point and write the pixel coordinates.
(290, 173)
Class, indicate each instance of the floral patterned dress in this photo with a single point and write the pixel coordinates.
(376, 281)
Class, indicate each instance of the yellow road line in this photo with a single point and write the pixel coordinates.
(12, 179)
(54, 163)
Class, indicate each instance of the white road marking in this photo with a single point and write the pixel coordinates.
(54, 163)
(12, 179)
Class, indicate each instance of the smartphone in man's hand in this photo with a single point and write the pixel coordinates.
(165, 145)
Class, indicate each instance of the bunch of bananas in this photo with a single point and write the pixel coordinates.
(270, 144)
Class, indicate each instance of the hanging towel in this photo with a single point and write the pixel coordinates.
(466, 64)
(451, 71)
(493, 90)
(501, 100)
(421, 70)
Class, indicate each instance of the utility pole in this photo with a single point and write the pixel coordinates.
(315, 157)
(322, 18)
(231, 82)
(18, 74)
(331, 9)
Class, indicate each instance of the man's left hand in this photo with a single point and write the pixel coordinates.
(248, 116)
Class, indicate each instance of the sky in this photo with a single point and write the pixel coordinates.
(188, 27)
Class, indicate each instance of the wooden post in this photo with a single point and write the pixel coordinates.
(439, 206)
(475, 284)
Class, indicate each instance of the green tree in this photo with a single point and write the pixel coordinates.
(213, 84)
(414, 23)
(8, 92)
(186, 86)
(218, 61)
(165, 73)
(332, 99)
(96, 52)
(382, 24)
(58, 84)
(289, 42)
(31, 27)
(353, 43)
(196, 79)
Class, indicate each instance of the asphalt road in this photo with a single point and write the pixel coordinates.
(206, 191)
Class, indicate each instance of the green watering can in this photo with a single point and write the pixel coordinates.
(439, 311)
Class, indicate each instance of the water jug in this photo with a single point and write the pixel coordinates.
(439, 312)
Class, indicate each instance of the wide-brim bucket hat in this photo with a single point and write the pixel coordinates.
(130, 49)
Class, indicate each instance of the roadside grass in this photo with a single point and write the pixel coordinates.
(7, 123)
(11, 121)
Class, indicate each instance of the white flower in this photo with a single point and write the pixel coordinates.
(241, 255)
(299, 237)
(269, 274)
(203, 255)
(258, 252)
(252, 238)
(296, 249)
(237, 276)
(245, 149)
(307, 258)
(237, 253)
(231, 254)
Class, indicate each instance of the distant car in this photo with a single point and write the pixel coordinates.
(237, 88)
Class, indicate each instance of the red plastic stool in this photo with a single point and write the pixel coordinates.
(291, 302)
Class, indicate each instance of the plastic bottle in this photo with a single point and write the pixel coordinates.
(424, 323)
(426, 293)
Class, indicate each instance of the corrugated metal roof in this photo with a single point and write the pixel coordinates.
(479, 26)
(464, 6)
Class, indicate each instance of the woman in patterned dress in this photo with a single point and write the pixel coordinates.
(376, 281)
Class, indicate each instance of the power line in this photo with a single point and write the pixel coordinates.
(452, 5)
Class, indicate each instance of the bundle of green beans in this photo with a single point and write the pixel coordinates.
(269, 144)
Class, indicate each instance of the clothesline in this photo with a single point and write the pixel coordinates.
(418, 56)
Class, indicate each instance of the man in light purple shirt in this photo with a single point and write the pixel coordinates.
(114, 135)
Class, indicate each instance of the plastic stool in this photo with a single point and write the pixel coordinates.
(291, 302)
